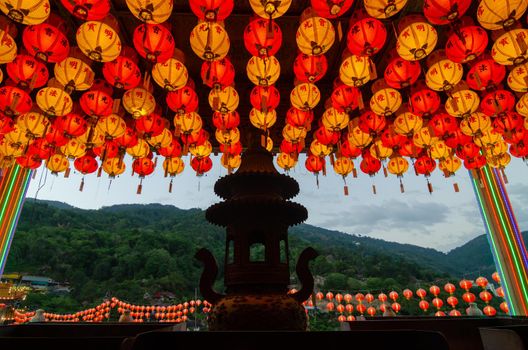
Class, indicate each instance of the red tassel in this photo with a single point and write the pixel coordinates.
(354, 173)
(67, 173)
(140, 188)
(429, 187)
(455, 186)
(99, 172)
(345, 189)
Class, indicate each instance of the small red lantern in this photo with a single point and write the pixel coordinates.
(421, 293)
(86, 164)
(154, 42)
(290, 147)
(475, 162)
(424, 101)
(349, 151)
(55, 136)
(457, 139)
(262, 37)
(369, 165)
(218, 74)
(424, 305)
(497, 102)
(366, 37)
(482, 282)
(442, 124)
(88, 10)
(29, 161)
(314, 164)
(299, 118)
(485, 296)
(408, 294)
(212, 10)
(452, 301)
(346, 98)
(489, 311)
(122, 73)
(110, 149)
(508, 122)
(195, 138)
(46, 42)
(27, 72)
(371, 310)
(143, 166)
(372, 123)
(201, 165)
(309, 68)
(14, 101)
(391, 139)
(445, 11)
(496, 277)
(184, 100)
(331, 8)
(96, 103)
(400, 73)
(466, 44)
(264, 98)
(504, 307)
(73, 125)
(435, 290)
(425, 165)
(485, 74)
(449, 288)
(326, 137)
(232, 149)
(128, 139)
(438, 303)
(150, 125)
(226, 121)
(172, 151)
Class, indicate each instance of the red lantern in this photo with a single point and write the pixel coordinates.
(110, 149)
(445, 11)
(408, 294)
(330, 306)
(452, 301)
(29, 161)
(366, 37)
(346, 98)
(299, 118)
(424, 305)
(232, 149)
(396, 307)
(466, 44)
(184, 100)
(291, 148)
(435, 290)
(496, 277)
(442, 124)
(475, 162)
(326, 137)
(424, 101)
(201, 165)
(520, 150)
(262, 37)
(195, 138)
(264, 98)
(508, 122)
(331, 8)
(73, 125)
(485, 74)
(400, 73)
(218, 74)
(86, 164)
(87, 10)
(421, 293)
(212, 10)
(482, 282)
(425, 165)
(122, 73)
(46, 42)
(369, 165)
(497, 102)
(391, 139)
(151, 125)
(438, 303)
(96, 103)
(226, 121)
(309, 68)
(128, 139)
(143, 166)
(372, 123)
(27, 72)
(466, 284)
(154, 42)
(314, 164)
(489, 311)
(371, 311)
(449, 288)
(41, 148)
(485, 296)
(14, 101)
(55, 136)
(349, 151)
(457, 139)
(504, 307)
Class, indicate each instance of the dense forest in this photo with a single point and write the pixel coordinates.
(134, 251)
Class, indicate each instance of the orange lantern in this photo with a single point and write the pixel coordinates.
(309, 69)
(466, 44)
(315, 36)
(445, 11)
(384, 8)
(443, 75)
(87, 9)
(170, 75)
(28, 13)
(417, 38)
(151, 11)
(499, 14)
(46, 42)
(57, 163)
(262, 38)
(366, 37)
(225, 100)
(462, 103)
(262, 119)
(98, 41)
(355, 70)
(139, 102)
(218, 74)
(210, 41)
(154, 42)
(122, 73)
(518, 78)
(334, 119)
(270, 9)
(286, 161)
(510, 47)
(113, 167)
(305, 96)
(212, 10)
(263, 71)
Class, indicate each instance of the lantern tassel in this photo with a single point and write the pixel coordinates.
(67, 173)
(402, 189)
(429, 187)
(345, 188)
(317, 180)
(170, 186)
(374, 189)
(455, 186)
(140, 187)
(354, 173)
(504, 177)
(81, 187)
(385, 171)
(99, 171)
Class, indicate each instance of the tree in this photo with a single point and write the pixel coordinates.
(335, 281)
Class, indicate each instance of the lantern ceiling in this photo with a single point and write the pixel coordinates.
(392, 84)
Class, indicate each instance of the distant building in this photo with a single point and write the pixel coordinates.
(38, 282)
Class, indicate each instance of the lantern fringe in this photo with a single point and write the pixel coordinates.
(170, 186)
(429, 187)
(402, 188)
(81, 187)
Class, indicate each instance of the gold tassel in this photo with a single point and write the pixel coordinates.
(339, 31)
(140, 187)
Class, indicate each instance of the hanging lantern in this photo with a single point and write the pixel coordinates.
(150, 11)
(355, 71)
(227, 137)
(28, 13)
(225, 100)
(232, 149)
(407, 123)
(111, 126)
(14, 101)
(299, 118)
(286, 161)
(424, 102)
(173, 166)
(315, 36)
(140, 150)
(210, 41)
(346, 98)
(314, 164)
(443, 75)
(263, 71)
(499, 14)
(200, 151)
(262, 38)
(72, 124)
(262, 120)
(485, 74)
(476, 124)
(522, 105)
(442, 124)
(445, 11)
(384, 8)
(466, 44)
(270, 9)
(86, 164)
(417, 39)
(366, 37)
(424, 138)
(225, 121)
(343, 166)
(164, 139)
(305, 96)
(497, 102)
(74, 74)
(139, 102)
(35, 124)
(326, 136)
(195, 138)
(439, 150)
(98, 41)
(46, 42)
(212, 10)
(188, 123)
(309, 68)
(400, 73)
(108, 149)
(424, 165)
(218, 74)
(264, 98)
(174, 150)
(201, 165)
(378, 151)
(184, 100)
(518, 78)
(57, 163)
(230, 162)
(316, 148)
(87, 9)
(334, 119)
(359, 138)
(122, 73)
(27, 72)
(17, 137)
(462, 103)
(293, 134)
(370, 165)
(385, 101)
(170, 75)
(372, 123)
(8, 47)
(96, 103)
(398, 166)
(154, 42)
(143, 166)
(74, 149)
(28, 161)
(331, 8)
(511, 47)
(113, 167)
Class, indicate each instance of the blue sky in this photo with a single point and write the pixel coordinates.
(442, 220)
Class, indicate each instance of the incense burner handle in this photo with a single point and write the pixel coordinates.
(208, 275)
(305, 276)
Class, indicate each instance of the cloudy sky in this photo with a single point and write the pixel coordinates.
(442, 220)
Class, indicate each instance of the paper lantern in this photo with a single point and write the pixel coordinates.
(74, 149)
(299, 118)
(318, 149)
(173, 166)
(87, 9)
(366, 37)
(8, 47)
(113, 167)
(510, 47)
(424, 138)
(359, 138)
(138, 102)
(98, 41)
(445, 11)
(305, 96)
(227, 137)
(96, 103)
(439, 150)
(378, 151)
(310, 69)
(200, 151)
(210, 41)
(443, 75)
(111, 126)
(400, 73)
(343, 166)
(315, 36)
(384, 8)
(26, 12)
(54, 101)
(232, 149)
(326, 136)
(372, 123)
(46, 42)
(122, 73)
(35, 124)
(154, 42)
(466, 44)
(264, 98)
(263, 71)
(212, 10)
(497, 102)
(355, 70)
(225, 100)
(139, 150)
(286, 161)
(170, 75)
(332, 8)
(270, 9)
(407, 123)
(226, 121)
(262, 120)
(72, 124)
(17, 137)
(334, 119)
(293, 134)
(462, 103)
(201, 165)
(57, 163)
(27, 72)
(397, 166)
(188, 123)
(218, 74)
(476, 124)
(314, 164)
(86, 164)
(229, 161)
(164, 139)
(499, 14)
(262, 38)
(442, 124)
(518, 78)
(346, 98)
(184, 100)
(151, 11)
(385, 101)
(14, 101)
(174, 150)
(416, 40)
(424, 102)
(74, 74)
(485, 74)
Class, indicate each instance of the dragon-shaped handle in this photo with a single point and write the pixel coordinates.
(208, 276)
(304, 274)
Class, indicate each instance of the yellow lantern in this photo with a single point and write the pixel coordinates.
(444, 75)
(74, 149)
(170, 75)
(476, 124)
(293, 134)
(188, 122)
(17, 137)
(74, 74)
(57, 163)
(34, 123)
(384, 8)
(424, 138)
(140, 150)
(286, 161)
(28, 12)
(305, 96)
(386, 101)
(1, 76)
(114, 167)
(319, 149)
(522, 105)
(98, 41)
(270, 8)
(462, 103)
(224, 100)
(8, 47)
(518, 78)
(343, 166)
(416, 40)
(398, 166)
(488, 139)
(269, 144)
(379, 151)
(200, 151)
(54, 101)
(511, 47)
(162, 140)
(263, 71)
(210, 41)
(262, 120)
(92, 137)
(315, 36)
(334, 119)
(150, 11)
(497, 149)
(227, 137)
(173, 166)
(359, 138)
(9, 150)
(450, 165)
(355, 70)
(138, 102)
(111, 126)
(499, 162)
(499, 14)
(407, 123)
(230, 161)
(439, 150)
